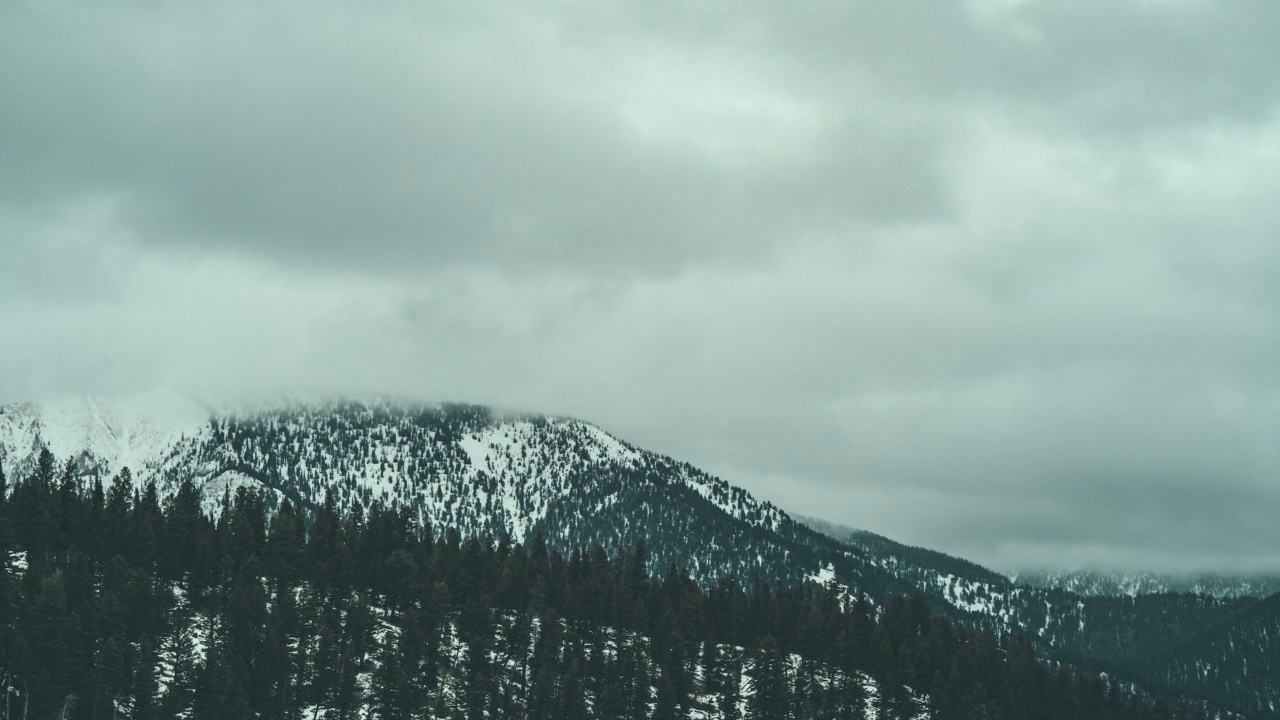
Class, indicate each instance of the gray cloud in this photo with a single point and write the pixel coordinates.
(413, 135)
(995, 277)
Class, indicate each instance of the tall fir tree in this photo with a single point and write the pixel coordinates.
(769, 699)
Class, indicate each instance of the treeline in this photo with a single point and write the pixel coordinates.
(114, 604)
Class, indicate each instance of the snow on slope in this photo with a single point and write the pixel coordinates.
(733, 500)
(106, 434)
(506, 469)
(219, 489)
(524, 489)
(1092, 584)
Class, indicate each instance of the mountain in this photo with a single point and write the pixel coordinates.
(1207, 637)
(1233, 663)
(126, 608)
(483, 472)
(908, 559)
(458, 466)
(1091, 583)
(99, 434)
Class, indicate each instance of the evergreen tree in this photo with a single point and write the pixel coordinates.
(146, 691)
(730, 694)
(666, 707)
(393, 697)
(255, 617)
(115, 530)
(223, 693)
(768, 682)
(179, 644)
(42, 478)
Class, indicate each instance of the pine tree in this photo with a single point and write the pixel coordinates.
(68, 506)
(666, 707)
(393, 698)
(6, 547)
(322, 690)
(297, 624)
(768, 683)
(42, 478)
(223, 692)
(31, 509)
(179, 644)
(731, 694)
(285, 543)
(116, 531)
(544, 689)
(480, 680)
(97, 499)
(146, 690)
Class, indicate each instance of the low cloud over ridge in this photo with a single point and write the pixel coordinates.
(994, 277)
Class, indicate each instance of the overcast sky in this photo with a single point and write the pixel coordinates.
(998, 277)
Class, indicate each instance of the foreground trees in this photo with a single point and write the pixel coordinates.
(115, 605)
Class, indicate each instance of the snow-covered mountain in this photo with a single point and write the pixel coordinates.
(1094, 583)
(456, 466)
(480, 471)
(100, 434)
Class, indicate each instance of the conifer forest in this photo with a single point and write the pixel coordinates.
(117, 604)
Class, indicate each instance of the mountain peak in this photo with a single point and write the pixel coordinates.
(107, 433)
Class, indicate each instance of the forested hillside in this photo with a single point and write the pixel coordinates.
(117, 604)
(483, 473)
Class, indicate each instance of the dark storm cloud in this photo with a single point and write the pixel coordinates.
(992, 276)
(409, 134)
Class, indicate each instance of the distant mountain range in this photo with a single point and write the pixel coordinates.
(1088, 582)
(486, 472)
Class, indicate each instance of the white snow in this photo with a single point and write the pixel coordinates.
(824, 575)
(113, 433)
(504, 474)
(225, 485)
(977, 597)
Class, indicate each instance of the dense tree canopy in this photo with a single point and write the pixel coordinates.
(115, 605)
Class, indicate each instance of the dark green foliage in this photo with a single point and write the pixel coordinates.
(322, 461)
(1231, 660)
(769, 699)
(142, 610)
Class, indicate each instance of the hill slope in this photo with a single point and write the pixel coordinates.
(484, 472)
(167, 613)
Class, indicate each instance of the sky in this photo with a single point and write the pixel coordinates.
(996, 277)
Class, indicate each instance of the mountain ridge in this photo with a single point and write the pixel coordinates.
(490, 473)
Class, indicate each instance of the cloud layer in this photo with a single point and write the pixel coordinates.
(994, 277)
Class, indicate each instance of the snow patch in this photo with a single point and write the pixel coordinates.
(107, 433)
(223, 487)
